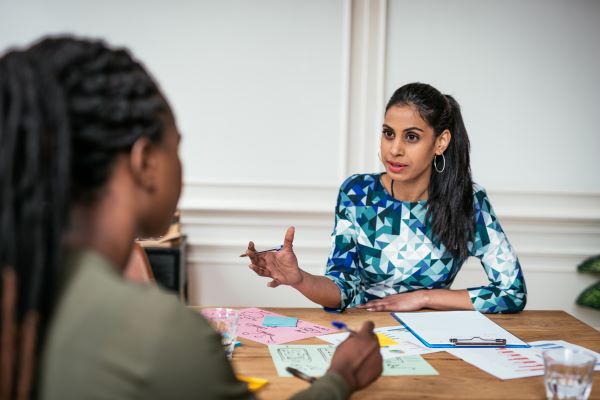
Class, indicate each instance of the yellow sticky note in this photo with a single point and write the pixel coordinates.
(385, 341)
(254, 384)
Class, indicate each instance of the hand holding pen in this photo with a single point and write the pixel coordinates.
(357, 359)
(260, 252)
(279, 265)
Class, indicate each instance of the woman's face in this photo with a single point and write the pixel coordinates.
(169, 175)
(408, 145)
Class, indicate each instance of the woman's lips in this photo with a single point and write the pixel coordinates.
(396, 167)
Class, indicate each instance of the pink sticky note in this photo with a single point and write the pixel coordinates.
(250, 327)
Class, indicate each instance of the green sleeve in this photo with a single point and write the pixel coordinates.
(190, 363)
(329, 387)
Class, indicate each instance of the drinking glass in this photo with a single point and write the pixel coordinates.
(224, 321)
(568, 373)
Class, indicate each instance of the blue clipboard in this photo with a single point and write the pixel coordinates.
(475, 339)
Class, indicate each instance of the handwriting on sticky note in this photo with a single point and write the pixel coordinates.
(314, 360)
(250, 326)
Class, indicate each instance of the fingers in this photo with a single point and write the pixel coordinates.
(367, 328)
(260, 271)
(251, 251)
(375, 305)
(289, 238)
(273, 284)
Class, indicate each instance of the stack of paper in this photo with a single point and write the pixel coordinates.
(509, 363)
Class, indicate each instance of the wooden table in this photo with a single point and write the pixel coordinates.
(456, 379)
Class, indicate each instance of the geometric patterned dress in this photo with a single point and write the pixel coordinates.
(383, 246)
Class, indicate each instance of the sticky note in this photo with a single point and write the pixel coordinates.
(384, 340)
(254, 384)
(272, 320)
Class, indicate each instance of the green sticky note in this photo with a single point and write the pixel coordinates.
(272, 320)
(314, 360)
(407, 365)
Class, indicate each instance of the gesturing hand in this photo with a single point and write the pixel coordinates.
(358, 359)
(411, 301)
(281, 266)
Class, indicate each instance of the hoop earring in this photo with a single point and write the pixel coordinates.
(439, 171)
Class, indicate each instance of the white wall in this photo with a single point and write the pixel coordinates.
(279, 100)
(526, 75)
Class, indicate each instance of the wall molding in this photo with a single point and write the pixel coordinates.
(320, 199)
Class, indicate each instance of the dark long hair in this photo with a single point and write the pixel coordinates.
(67, 108)
(450, 203)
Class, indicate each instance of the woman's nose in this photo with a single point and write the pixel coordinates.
(397, 148)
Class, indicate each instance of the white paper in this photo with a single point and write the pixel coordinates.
(543, 345)
(439, 327)
(407, 343)
(503, 363)
(511, 363)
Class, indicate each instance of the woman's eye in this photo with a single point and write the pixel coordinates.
(388, 134)
(411, 137)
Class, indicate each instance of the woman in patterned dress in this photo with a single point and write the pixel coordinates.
(401, 236)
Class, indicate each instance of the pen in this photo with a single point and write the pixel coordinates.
(342, 326)
(300, 375)
(263, 251)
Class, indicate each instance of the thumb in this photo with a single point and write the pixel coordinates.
(289, 238)
(367, 327)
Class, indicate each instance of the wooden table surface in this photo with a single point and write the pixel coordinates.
(456, 379)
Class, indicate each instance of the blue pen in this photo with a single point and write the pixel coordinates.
(342, 326)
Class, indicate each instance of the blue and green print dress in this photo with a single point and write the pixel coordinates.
(382, 246)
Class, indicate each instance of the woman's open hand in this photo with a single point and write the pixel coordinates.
(281, 266)
(410, 301)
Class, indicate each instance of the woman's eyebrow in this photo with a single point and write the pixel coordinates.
(386, 126)
(413, 128)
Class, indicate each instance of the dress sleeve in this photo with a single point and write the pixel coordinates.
(506, 292)
(343, 258)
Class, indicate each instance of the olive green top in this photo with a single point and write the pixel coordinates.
(113, 339)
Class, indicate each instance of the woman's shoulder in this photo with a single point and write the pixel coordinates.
(478, 190)
(481, 201)
(359, 182)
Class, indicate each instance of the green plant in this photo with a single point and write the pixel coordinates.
(590, 297)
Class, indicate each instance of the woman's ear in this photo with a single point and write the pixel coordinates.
(142, 162)
(442, 142)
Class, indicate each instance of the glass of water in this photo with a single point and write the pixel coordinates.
(568, 373)
(224, 321)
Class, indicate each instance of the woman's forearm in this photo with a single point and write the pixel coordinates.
(319, 289)
(445, 299)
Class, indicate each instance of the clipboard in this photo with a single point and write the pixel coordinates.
(457, 329)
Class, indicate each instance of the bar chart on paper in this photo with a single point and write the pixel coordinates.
(504, 363)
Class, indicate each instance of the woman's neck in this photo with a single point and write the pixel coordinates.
(412, 191)
(106, 227)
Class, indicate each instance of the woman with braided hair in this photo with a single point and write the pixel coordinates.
(89, 161)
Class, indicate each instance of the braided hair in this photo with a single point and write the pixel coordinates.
(450, 196)
(68, 107)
